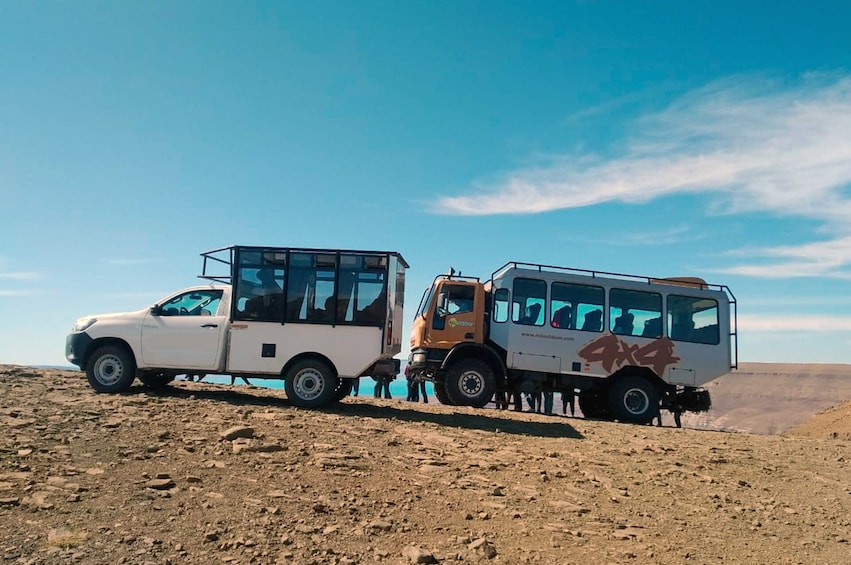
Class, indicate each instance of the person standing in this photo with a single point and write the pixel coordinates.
(548, 402)
(385, 384)
(413, 389)
(568, 399)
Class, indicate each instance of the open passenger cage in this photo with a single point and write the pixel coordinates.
(223, 259)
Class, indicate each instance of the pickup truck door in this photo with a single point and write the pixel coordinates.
(186, 331)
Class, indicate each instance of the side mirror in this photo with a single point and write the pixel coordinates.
(156, 310)
(441, 305)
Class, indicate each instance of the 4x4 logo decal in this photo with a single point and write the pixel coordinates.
(613, 352)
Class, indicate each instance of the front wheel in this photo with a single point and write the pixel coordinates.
(634, 399)
(310, 383)
(111, 368)
(440, 394)
(470, 382)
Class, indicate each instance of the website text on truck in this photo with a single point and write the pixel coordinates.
(317, 318)
(627, 345)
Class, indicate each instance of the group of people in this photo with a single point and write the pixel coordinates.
(540, 402)
(416, 389)
(382, 387)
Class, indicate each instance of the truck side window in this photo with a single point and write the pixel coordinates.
(362, 290)
(460, 299)
(635, 312)
(194, 303)
(530, 295)
(259, 286)
(693, 319)
(500, 305)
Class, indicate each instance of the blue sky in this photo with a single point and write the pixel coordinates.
(654, 138)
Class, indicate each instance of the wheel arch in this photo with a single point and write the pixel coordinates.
(481, 352)
(104, 341)
(638, 371)
(308, 355)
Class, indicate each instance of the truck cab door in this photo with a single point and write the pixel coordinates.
(186, 331)
(458, 316)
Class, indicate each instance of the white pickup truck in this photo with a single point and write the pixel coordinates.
(316, 318)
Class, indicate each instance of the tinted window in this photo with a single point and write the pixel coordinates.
(693, 319)
(635, 312)
(572, 305)
(527, 307)
(259, 286)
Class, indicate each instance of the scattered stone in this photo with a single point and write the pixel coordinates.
(416, 554)
(237, 432)
(160, 483)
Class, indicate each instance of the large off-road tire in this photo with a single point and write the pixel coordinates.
(470, 382)
(440, 394)
(111, 368)
(344, 388)
(593, 404)
(634, 399)
(155, 380)
(310, 383)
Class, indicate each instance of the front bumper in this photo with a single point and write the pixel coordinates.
(76, 345)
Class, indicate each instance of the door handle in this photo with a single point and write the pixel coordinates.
(469, 336)
(209, 325)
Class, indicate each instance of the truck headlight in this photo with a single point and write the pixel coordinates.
(83, 324)
(418, 358)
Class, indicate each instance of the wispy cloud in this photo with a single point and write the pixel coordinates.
(20, 276)
(24, 292)
(796, 323)
(753, 144)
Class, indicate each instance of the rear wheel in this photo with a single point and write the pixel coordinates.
(111, 368)
(470, 382)
(310, 383)
(634, 399)
(344, 388)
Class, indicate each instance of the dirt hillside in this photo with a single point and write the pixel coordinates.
(200, 473)
(771, 398)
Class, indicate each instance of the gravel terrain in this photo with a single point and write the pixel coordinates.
(201, 473)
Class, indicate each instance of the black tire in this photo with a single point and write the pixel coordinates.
(440, 394)
(344, 389)
(310, 383)
(593, 405)
(111, 368)
(470, 382)
(634, 399)
(155, 380)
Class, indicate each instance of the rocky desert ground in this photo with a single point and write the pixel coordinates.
(205, 473)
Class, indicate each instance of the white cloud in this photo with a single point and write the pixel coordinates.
(20, 276)
(755, 145)
(16, 292)
(794, 323)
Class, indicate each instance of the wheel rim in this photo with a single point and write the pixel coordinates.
(108, 370)
(471, 383)
(636, 401)
(308, 384)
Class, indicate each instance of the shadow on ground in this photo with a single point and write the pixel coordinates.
(484, 420)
